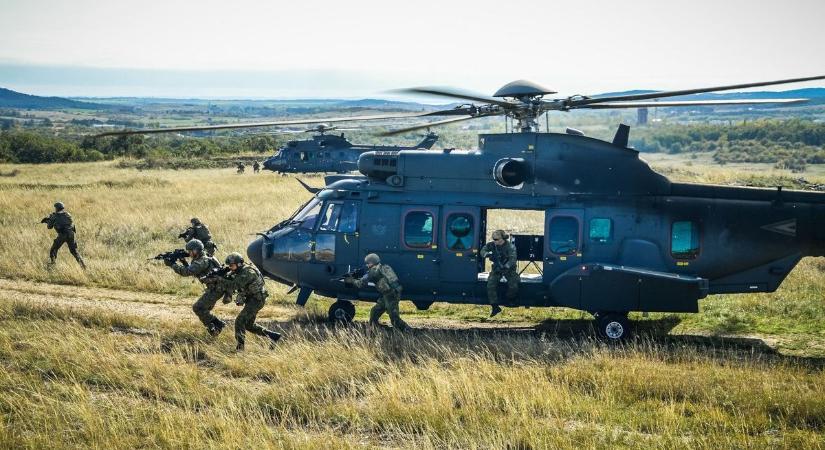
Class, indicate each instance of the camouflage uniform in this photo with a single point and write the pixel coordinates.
(62, 222)
(201, 233)
(256, 167)
(252, 294)
(504, 265)
(215, 287)
(386, 282)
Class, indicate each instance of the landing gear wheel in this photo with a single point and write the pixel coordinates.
(341, 311)
(613, 327)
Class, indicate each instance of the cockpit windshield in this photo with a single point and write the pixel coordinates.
(308, 215)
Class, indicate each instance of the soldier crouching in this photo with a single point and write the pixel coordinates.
(387, 284)
(200, 266)
(252, 294)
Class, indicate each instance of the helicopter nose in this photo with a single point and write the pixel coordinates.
(280, 271)
(272, 164)
(255, 252)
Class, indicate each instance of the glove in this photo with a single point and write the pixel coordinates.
(169, 262)
(240, 300)
(227, 298)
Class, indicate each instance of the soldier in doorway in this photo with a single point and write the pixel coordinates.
(502, 254)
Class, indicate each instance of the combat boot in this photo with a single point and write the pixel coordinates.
(81, 262)
(239, 347)
(494, 310)
(216, 327)
(273, 335)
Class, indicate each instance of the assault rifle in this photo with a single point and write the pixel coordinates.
(214, 275)
(355, 273)
(174, 255)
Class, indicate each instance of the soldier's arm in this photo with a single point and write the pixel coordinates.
(365, 280)
(485, 250)
(196, 268)
(511, 256)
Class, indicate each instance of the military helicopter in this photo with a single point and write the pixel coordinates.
(329, 152)
(617, 236)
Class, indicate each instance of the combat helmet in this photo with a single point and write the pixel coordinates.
(195, 221)
(194, 245)
(234, 258)
(372, 258)
(59, 206)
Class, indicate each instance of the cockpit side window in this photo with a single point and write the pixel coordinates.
(348, 222)
(331, 216)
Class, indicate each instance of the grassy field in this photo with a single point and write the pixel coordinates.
(113, 357)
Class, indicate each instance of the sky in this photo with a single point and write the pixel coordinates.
(350, 49)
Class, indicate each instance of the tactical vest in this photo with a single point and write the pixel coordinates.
(202, 233)
(62, 221)
(256, 287)
(387, 280)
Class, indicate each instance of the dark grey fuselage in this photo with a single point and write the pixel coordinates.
(741, 239)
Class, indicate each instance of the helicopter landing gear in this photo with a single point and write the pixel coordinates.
(613, 326)
(341, 311)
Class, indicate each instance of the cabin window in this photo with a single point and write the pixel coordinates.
(460, 231)
(564, 235)
(418, 229)
(684, 240)
(601, 230)
(304, 156)
(325, 247)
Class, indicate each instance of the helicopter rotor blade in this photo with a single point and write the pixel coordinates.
(589, 101)
(426, 126)
(260, 124)
(453, 93)
(620, 105)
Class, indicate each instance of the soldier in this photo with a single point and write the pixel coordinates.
(386, 282)
(256, 167)
(215, 288)
(241, 167)
(252, 294)
(200, 231)
(502, 253)
(61, 221)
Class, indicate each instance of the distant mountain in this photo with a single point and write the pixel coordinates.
(12, 99)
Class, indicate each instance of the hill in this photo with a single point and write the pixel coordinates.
(13, 99)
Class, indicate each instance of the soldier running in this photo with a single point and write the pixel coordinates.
(252, 294)
(61, 221)
(241, 167)
(502, 253)
(386, 282)
(256, 167)
(200, 231)
(214, 288)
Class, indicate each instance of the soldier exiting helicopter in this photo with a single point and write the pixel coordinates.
(61, 221)
(387, 284)
(502, 254)
(256, 167)
(200, 267)
(200, 231)
(241, 167)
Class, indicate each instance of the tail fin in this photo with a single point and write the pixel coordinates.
(428, 142)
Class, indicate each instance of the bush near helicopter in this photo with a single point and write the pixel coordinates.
(330, 152)
(617, 237)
